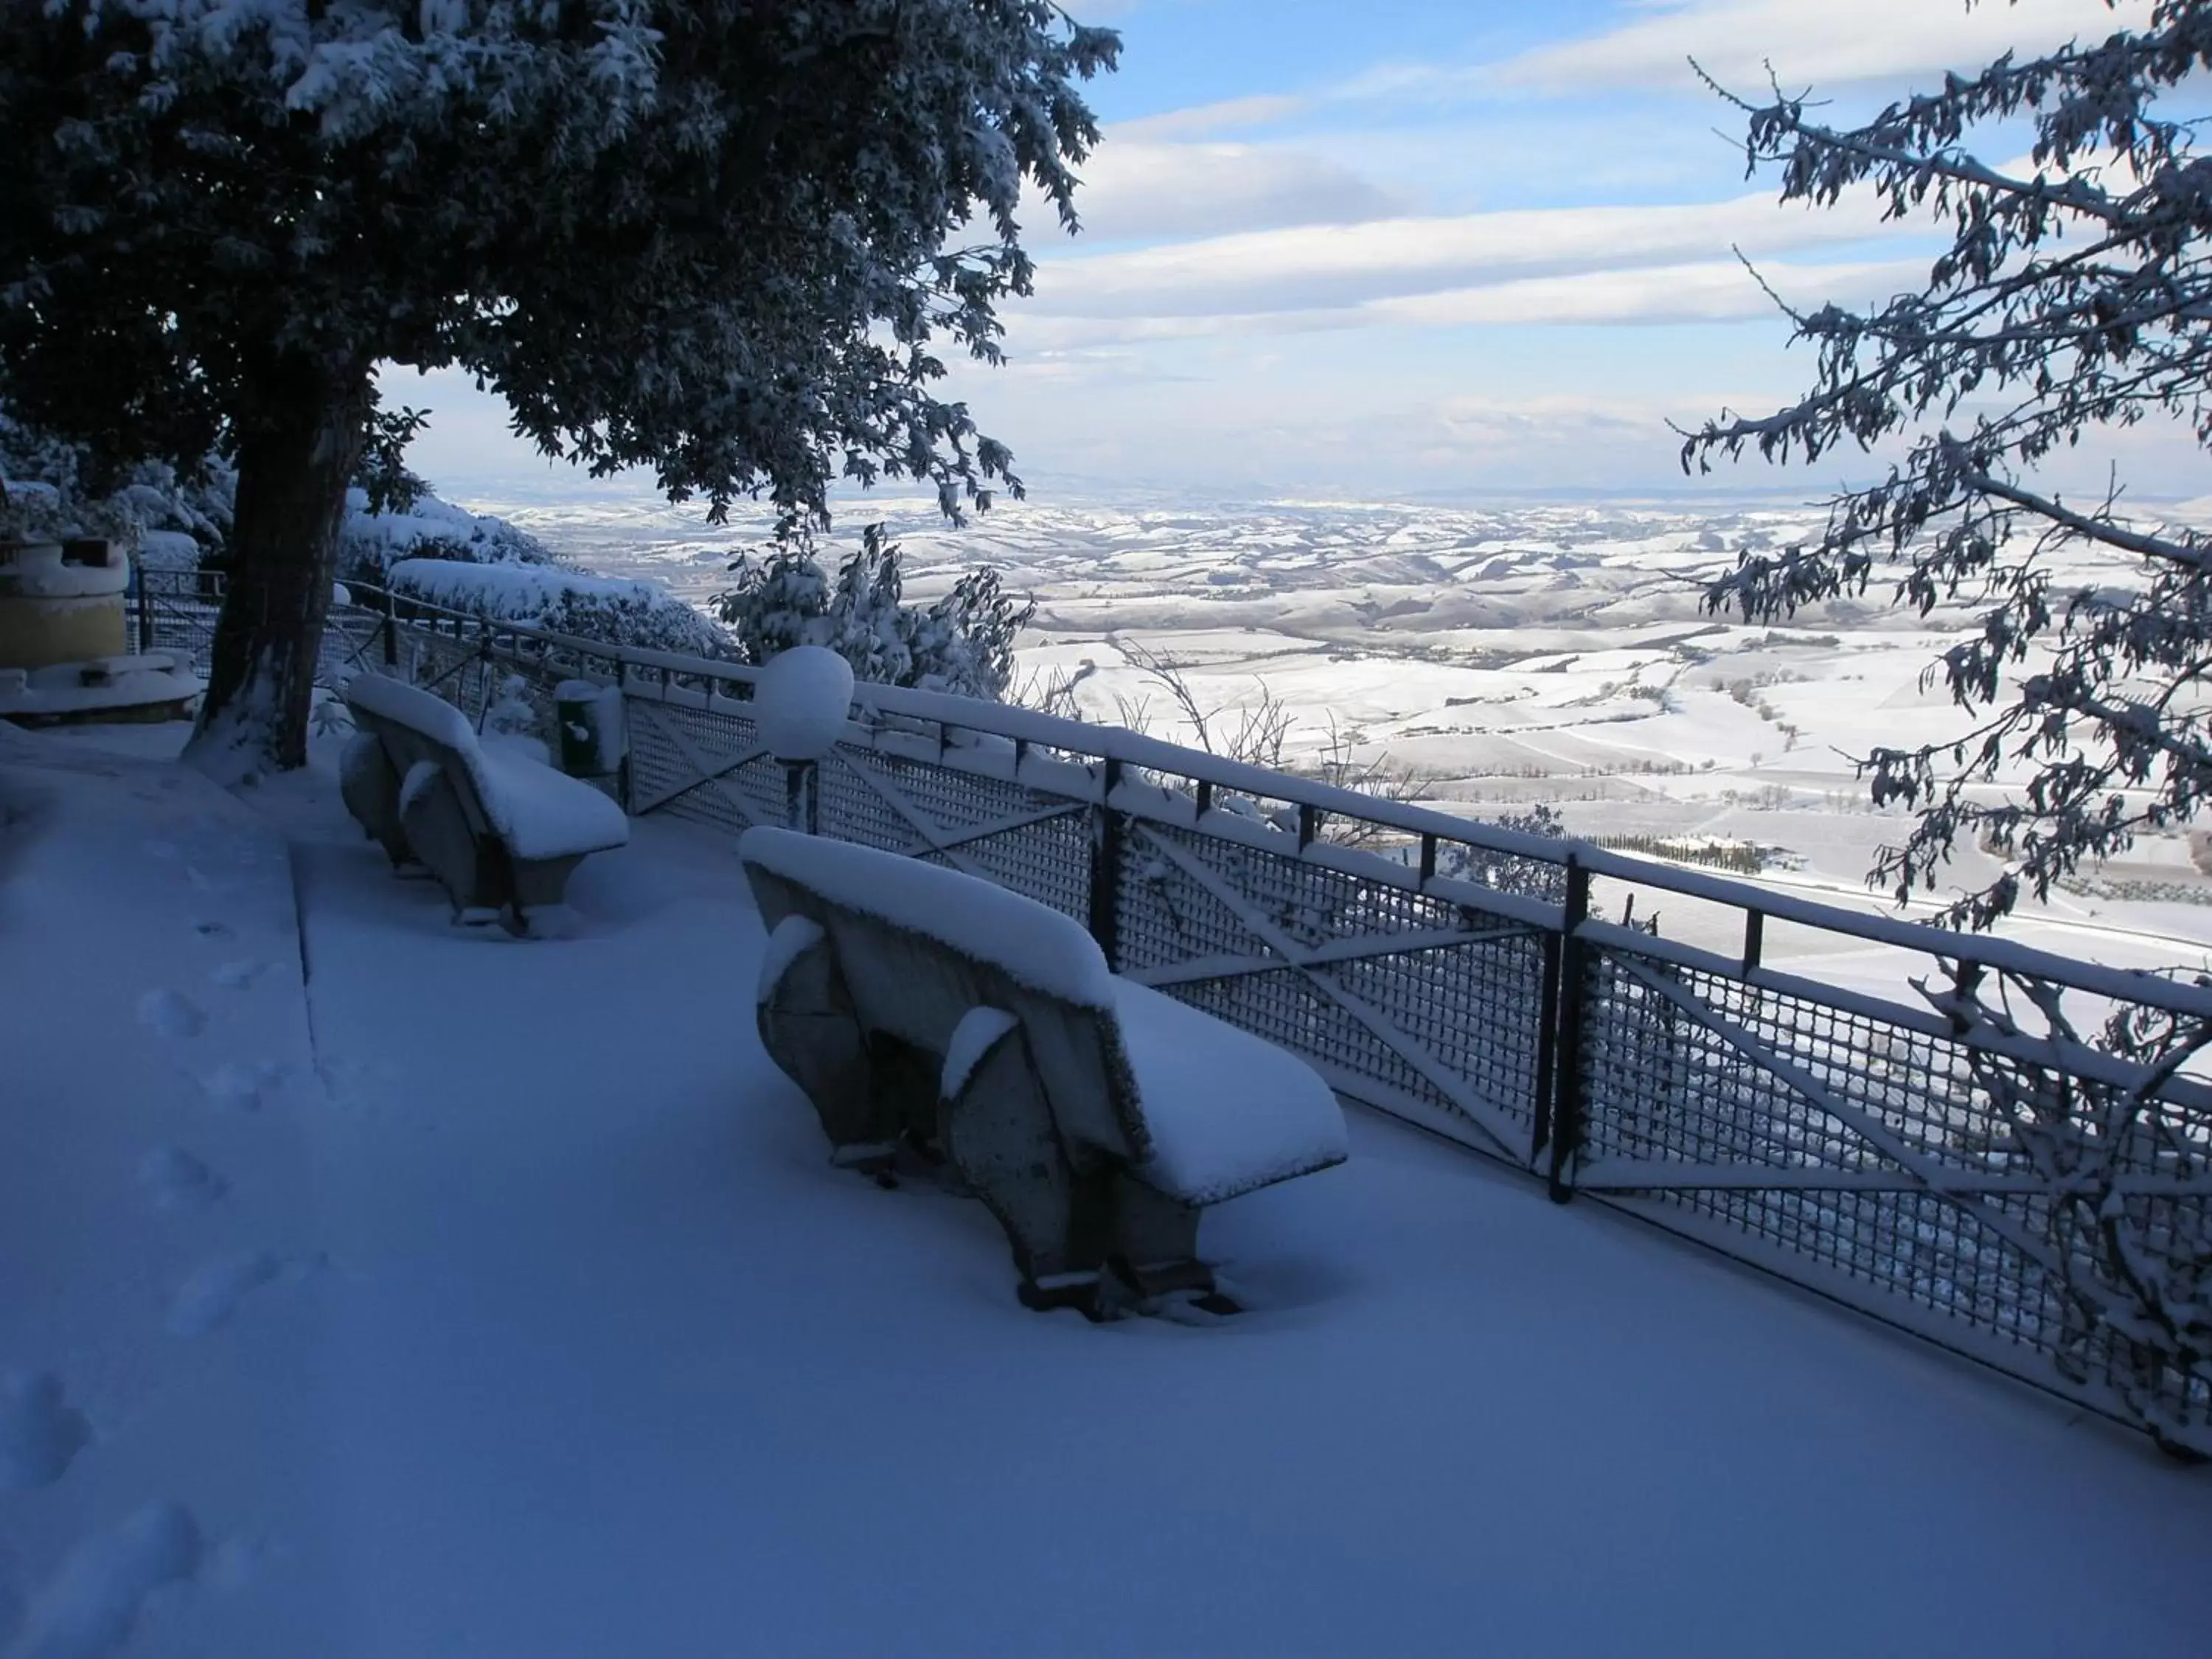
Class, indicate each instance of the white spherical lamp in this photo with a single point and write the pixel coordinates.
(800, 702)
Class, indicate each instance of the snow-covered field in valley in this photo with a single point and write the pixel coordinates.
(373, 1286)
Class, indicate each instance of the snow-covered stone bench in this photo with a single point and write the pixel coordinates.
(1096, 1118)
(500, 829)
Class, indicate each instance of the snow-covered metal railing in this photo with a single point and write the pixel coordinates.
(1971, 1161)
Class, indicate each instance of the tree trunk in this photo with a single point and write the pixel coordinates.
(295, 459)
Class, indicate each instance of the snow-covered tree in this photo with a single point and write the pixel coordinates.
(2130, 1265)
(722, 240)
(2074, 299)
(963, 644)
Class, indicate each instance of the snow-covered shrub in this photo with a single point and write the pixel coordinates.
(151, 506)
(329, 717)
(962, 644)
(1509, 873)
(604, 609)
(510, 714)
(33, 512)
(371, 542)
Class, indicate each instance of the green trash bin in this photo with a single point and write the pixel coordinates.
(590, 718)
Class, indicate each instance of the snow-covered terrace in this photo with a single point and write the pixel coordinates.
(371, 1286)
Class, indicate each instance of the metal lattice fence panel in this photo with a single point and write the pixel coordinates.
(1035, 842)
(1398, 997)
(176, 610)
(702, 763)
(1866, 1157)
(352, 640)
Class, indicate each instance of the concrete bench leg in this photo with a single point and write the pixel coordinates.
(807, 1026)
(998, 1130)
(904, 1080)
(540, 884)
(1156, 1241)
(437, 827)
(369, 783)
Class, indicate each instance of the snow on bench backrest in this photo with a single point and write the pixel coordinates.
(539, 813)
(412, 707)
(920, 945)
(1030, 942)
(1202, 1110)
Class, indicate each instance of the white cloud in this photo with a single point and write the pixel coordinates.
(1541, 420)
(1713, 291)
(1135, 190)
(1706, 291)
(1204, 120)
(1324, 267)
(1262, 432)
(1823, 43)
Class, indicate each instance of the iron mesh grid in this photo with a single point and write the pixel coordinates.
(181, 620)
(1470, 1012)
(1045, 854)
(1967, 1232)
(851, 809)
(662, 773)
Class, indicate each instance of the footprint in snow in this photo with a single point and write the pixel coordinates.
(177, 1181)
(170, 1015)
(93, 1603)
(207, 1300)
(241, 1087)
(238, 976)
(211, 929)
(39, 1431)
(234, 1563)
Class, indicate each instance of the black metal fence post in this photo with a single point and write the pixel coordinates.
(802, 797)
(1548, 1051)
(1106, 868)
(1567, 1045)
(391, 631)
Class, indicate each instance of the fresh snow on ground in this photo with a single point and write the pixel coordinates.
(370, 1285)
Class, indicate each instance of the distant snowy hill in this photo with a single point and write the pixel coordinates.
(1507, 655)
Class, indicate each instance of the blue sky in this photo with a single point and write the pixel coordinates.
(1366, 249)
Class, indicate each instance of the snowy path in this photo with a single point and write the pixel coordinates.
(548, 1331)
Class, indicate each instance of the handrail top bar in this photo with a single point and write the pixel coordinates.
(1133, 748)
(2001, 955)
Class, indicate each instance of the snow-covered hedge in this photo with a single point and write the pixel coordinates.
(564, 601)
(371, 543)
